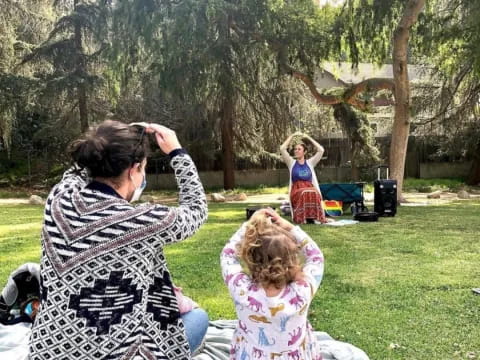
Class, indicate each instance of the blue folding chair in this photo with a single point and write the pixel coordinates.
(351, 194)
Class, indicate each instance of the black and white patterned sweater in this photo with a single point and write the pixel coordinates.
(106, 289)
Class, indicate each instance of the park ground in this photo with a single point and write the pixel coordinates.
(399, 288)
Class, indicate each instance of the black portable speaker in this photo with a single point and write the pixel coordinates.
(385, 195)
(251, 210)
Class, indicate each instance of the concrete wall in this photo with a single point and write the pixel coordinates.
(214, 179)
(252, 178)
(334, 174)
(246, 178)
(444, 170)
(325, 80)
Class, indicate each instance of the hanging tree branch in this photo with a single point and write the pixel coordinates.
(350, 95)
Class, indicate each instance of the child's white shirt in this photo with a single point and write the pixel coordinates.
(273, 327)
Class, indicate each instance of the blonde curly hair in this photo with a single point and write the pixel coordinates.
(270, 253)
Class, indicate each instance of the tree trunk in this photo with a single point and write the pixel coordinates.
(81, 71)
(401, 124)
(228, 160)
(342, 112)
(355, 171)
(82, 107)
(474, 174)
(227, 112)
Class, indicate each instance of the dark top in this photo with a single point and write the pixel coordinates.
(301, 172)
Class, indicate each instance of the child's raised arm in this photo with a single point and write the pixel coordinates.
(232, 271)
(314, 265)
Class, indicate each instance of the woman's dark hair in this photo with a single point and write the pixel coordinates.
(109, 148)
(303, 146)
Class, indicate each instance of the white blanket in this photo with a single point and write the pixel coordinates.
(14, 341)
(342, 222)
(216, 346)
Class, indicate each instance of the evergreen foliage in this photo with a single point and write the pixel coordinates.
(224, 74)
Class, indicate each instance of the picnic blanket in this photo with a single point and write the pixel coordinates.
(220, 332)
(14, 343)
(342, 222)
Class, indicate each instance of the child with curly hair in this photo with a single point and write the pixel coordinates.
(273, 297)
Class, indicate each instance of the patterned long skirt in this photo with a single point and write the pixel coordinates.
(306, 203)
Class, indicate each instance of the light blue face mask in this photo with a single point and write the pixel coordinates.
(138, 191)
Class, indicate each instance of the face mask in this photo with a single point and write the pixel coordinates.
(138, 191)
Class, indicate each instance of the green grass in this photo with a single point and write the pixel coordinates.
(20, 227)
(405, 280)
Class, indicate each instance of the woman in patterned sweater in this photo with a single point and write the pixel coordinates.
(272, 300)
(106, 289)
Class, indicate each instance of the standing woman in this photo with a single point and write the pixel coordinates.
(106, 290)
(304, 192)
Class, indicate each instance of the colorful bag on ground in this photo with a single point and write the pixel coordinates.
(332, 207)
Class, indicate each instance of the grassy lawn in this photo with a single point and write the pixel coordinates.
(399, 288)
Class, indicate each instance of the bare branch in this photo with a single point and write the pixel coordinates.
(373, 84)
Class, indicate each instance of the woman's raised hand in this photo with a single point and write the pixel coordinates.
(166, 138)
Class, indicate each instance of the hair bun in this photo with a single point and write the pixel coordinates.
(89, 152)
(97, 147)
(109, 149)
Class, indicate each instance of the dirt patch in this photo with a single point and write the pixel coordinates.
(420, 199)
(413, 199)
(13, 201)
